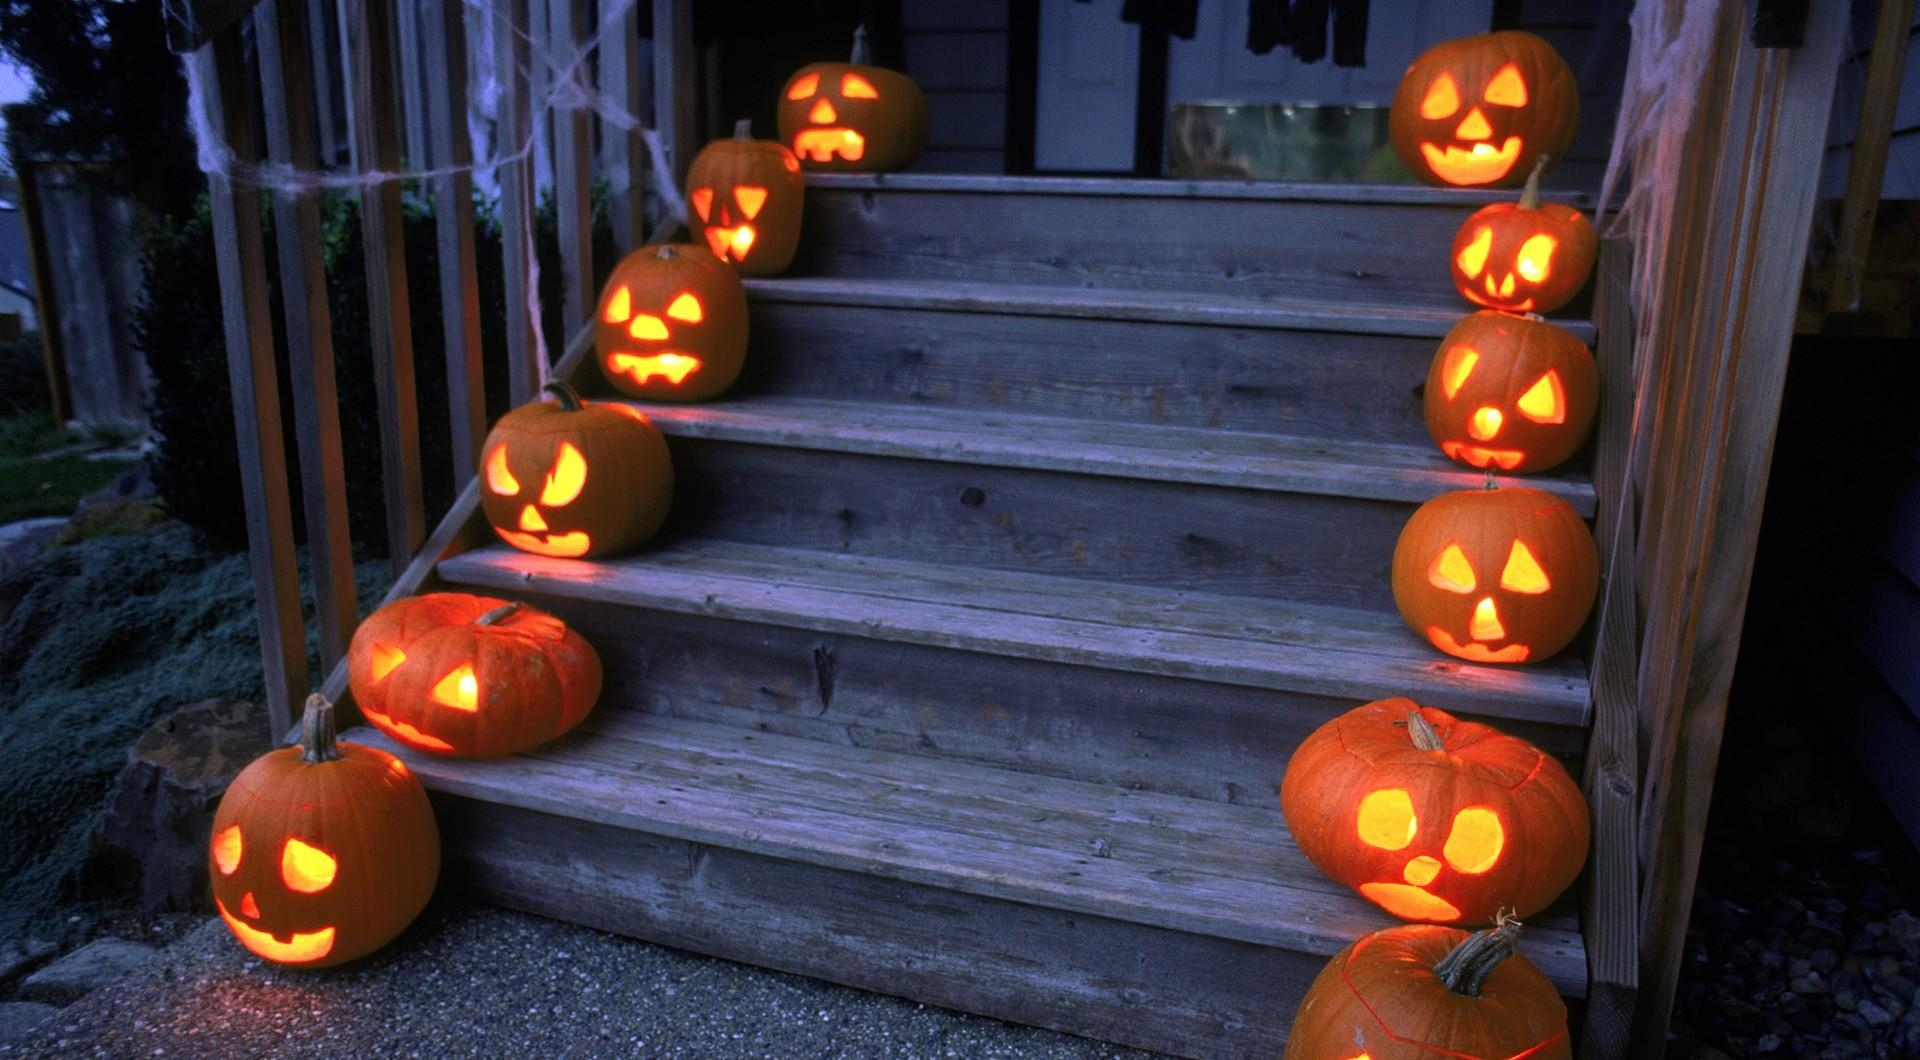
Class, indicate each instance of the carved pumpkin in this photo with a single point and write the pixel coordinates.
(1422, 992)
(322, 852)
(1524, 257)
(745, 195)
(1432, 818)
(1496, 575)
(470, 676)
(1469, 110)
(572, 478)
(1508, 392)
(853, 115)
(672, 324)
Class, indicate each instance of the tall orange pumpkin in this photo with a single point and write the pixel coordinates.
(1524, 257)
(1510, 392)
(1471, 112)
(470, 676)
(1496, 575)
(1433, 818)
(746, 197)
(853, 115)
(566, 477)
(1422, 992)
(322, 852)
(671, 324)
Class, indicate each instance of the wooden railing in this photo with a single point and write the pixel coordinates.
(431, 70)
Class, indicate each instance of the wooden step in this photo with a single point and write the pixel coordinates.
(1176, 924)
(1379, 244)
(1195, 694)
(1179, 359)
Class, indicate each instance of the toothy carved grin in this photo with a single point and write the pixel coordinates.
(301, 948)
(1480, 456)
(1479, 164)
(564, 546)
(671, 366)
(821, 145)
(1476, 652)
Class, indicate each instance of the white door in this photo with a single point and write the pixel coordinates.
(1088, 80)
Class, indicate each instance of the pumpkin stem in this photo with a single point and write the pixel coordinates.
(1530, 196)
(568, 397)
(316, 731)
(743, 129)
(498, 614)
(862, 51)
(1422, 733)
(1465, 970)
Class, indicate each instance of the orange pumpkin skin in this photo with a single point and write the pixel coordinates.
(1496, 576)
(744, 198)
(1477, 111)
(563, 477)
(1525, 256)
(671, 324)
(853, 116)
(1428, 855)
(366, 859)
(1381, 999)
(527, 678)
(1510, 393)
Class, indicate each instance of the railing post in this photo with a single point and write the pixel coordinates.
(241, 259)
(280, 32)
(572, 161)
(623, 155)
(515, 122)
(673, 84)
(443, 31)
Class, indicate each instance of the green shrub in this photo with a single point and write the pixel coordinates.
(23, 377)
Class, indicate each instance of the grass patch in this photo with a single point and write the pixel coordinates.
(52, 486)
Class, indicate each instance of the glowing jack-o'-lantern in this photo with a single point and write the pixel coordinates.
(1496, 575)
(1433, 818)
(745, 195)
(470, 676)
(322, 852)
(1423, 992)
(672, 324)
(1510, 393)
(1469, 110)
(571, 478)
(1524, 257)
(853, 115)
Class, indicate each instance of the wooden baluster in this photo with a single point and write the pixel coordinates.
(572, 164)
(625, 75)
(673, 85)
(515, 122)
(443, 32)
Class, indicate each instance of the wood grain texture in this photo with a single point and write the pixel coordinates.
(1463, 200)
(1194, 866)
(572, 170)
(280, 33)
(626, 76)
(444, 34)
(514, 119)
(674, 63)
(1407, 473)
(1867, 162)
(247, 319)
(1282, 646)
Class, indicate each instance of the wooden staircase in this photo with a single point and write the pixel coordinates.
(1050, 516)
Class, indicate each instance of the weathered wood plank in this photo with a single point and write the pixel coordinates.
(1171, 307)
(572, 169)
(669, 787)
(1610, 912)
(1751, 206)
(514, 118)
(444, 33)
(1867, 163)
(674, 62)
(1170, 991)
(1462, 200)
(625, 76)
(1283, 646)
(1197, 456)
(389, 313)
(280, 32)
(241, 258)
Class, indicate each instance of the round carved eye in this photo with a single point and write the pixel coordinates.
(305, 868)
(227, 850)
(1386, 819)
(1475, 843)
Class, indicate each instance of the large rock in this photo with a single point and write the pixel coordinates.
(20, 956)
(19, 1018)
(160, 815)
(71, 977)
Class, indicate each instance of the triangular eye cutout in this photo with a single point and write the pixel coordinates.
(686, 307)
(1473, 256)
(1508, 88)
(1545, 401)
(853, 86)
(1441, 100)
(750, 199)
(1523, 573)
(569, 477)
(702, 199)
(1451, 571)
(1457, 367)
(648, 326)
(458, 689)
(804, 87)
(499, 479)
(620, 306)
(386, 659)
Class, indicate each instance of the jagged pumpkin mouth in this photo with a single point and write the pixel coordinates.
(672, 365)
(298, 948)
(1474, 651)
(822, 144)
(1481, 163)
(1481, 456)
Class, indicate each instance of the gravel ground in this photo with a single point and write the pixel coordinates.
(468, 981)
